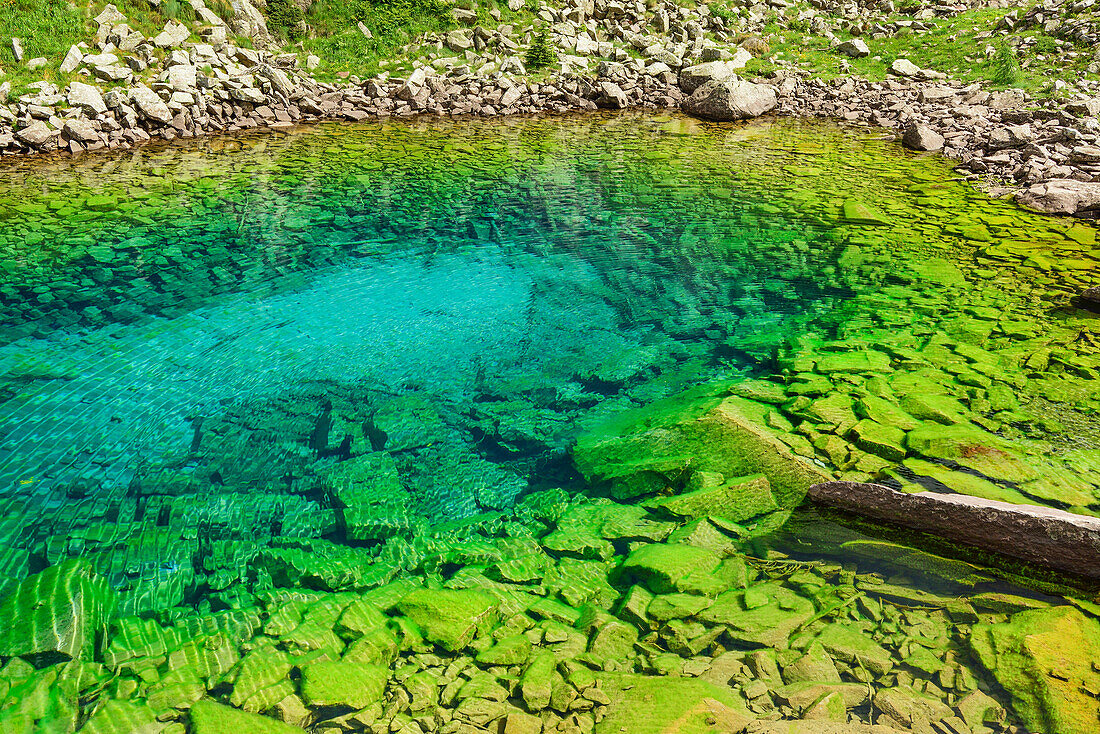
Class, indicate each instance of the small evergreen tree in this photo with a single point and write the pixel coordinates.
(1005, 68)
(541, 53)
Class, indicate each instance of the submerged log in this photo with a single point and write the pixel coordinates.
(1045, 536)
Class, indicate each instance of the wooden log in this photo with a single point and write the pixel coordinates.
(1052, 538)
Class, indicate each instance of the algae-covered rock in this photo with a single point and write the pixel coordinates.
(344, 683)
(448, 617)
(65, 609)
(1046, 659)
(124, 717)
(738, 499)
(672, 567)
(369, 496)
(662, 705)
(40, 703)
(855, 647)
(209, 717)
(765, 614)
(674, 438)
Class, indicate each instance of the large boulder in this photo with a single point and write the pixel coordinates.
(87, 97)
(450, 618)
(1045, 659)
(1062, 196)
(921, 137)
(651, 704)
(693, 77)
(659, 449)
(730, 100)
(209, 717)
(856, 48)
(149, 105)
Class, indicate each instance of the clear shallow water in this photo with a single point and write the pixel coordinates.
(195, 337)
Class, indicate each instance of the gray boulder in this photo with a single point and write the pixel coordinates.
(149, 105)
(1062, 196)
(34, 134)
(81, 131)
(173, 35)
(72, 60)
(1091, 298)
(730, 100)
(921, 137)
(856, 48)
(612, 96)
(693, 77)
(86, 97)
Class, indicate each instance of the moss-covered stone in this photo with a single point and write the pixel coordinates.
(209, 717)
(652, 705)
(1046, 659)
(343, 683)
(739, 499)
(765, 614)
(448, 617)
(65, 609)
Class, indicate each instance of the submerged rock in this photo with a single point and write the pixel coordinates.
(730, 100)
(1046, 659)
(65, 609)
(448, 617)
(658, 704)
(208, 717)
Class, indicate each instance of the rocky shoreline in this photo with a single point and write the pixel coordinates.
(1050, 153)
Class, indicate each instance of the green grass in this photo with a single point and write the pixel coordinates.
(47, 28)
(394, 24)
(951, 47)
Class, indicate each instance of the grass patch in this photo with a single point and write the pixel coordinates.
(952, 47)
(335, 36)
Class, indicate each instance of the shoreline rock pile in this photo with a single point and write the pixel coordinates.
(172, 87)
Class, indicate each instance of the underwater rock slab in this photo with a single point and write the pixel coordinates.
(650, 705)
(1046, 659)
(65, 609)
(1052, 538)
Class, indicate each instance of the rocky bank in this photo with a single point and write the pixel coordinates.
(193, 81)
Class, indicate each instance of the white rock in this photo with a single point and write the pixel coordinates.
(181, 77)
(110, 17)
(174, 34)
(904, 67)
(856, 48)
(312, 62)
(86, 97)
(99, 59)
(72, 60)
(37, 63)
(149, 105)
(693, 77)
(17, 50)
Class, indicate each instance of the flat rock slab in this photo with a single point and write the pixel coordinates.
(1052, 538)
